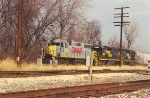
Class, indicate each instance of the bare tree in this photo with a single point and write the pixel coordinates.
(8, 27)
(93, 33)
(113, 42)
(72, 35)
(131, 33)
(78, 33)
(69, 16)
(38, 17)
(35, 23)
(42, 19)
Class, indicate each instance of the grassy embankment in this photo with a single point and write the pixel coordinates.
(10, 65)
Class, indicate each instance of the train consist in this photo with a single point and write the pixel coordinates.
(71, 52)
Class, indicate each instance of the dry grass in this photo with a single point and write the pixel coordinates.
(10, 65)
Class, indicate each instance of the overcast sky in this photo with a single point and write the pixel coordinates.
(139, 11)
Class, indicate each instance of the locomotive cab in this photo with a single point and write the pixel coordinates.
(59, 47)
(55, 48)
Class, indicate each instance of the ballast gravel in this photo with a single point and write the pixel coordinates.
(44, 82)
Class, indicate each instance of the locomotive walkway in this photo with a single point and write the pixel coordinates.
(81, 91)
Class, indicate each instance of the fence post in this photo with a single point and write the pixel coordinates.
(148, 65)
(90, 67)
(39, 61)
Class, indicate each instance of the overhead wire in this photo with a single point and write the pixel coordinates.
(105, 13)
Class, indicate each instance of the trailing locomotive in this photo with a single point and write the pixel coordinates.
(71, 52)
(111, 56)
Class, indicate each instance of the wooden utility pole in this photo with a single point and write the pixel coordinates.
(20, 2)
(121, 26)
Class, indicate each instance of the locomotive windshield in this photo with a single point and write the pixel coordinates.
(55, 44)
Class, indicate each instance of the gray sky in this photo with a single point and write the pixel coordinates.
(139, 12)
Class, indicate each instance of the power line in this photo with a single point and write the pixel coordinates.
(121, 24)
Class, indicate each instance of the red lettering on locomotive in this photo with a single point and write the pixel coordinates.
(80, 50)
(76, 50)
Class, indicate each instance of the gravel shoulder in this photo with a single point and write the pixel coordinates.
(45, 82)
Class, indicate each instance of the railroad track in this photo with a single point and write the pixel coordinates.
(16, 74)
(81, 91)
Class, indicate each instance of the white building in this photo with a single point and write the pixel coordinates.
(143, 57)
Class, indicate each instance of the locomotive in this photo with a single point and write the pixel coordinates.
(71, 52)
(111, 56)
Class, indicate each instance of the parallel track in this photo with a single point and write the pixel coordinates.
(14, 74)
(81, 91)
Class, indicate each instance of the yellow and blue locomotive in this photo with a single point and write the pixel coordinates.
(71, 52)
(111, 56)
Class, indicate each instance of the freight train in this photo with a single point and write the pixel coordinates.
(71, 52)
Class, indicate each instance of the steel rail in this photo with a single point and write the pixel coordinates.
(81, 91)
(14, 74)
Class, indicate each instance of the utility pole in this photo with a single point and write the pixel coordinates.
(121, 24)
(20, 2)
